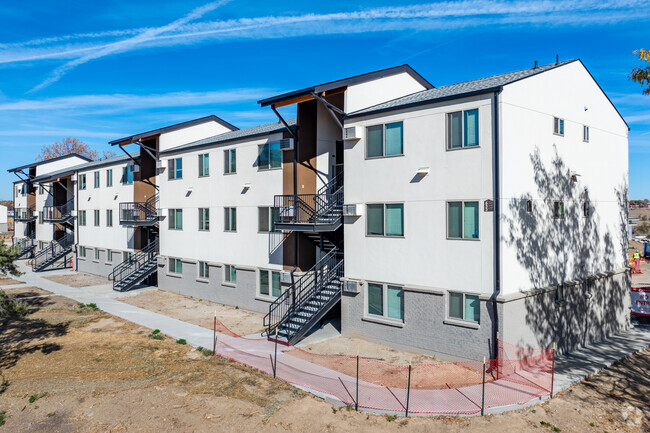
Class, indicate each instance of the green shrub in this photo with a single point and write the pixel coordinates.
(10, 307)
(2, 417)
(181, 341)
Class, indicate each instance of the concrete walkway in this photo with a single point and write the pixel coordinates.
(570, 369)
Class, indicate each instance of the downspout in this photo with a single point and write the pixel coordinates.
(76, 225)
(497, 226)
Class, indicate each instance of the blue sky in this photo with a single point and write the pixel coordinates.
(101, 70)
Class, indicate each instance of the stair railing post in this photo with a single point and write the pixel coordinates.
(275, 356)
(356, 400)
(408, 389)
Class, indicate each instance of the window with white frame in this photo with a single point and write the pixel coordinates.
(270, 156)
(82, 251)
(41, 245)
(82, 181)
(385, 140)
(109, 256)
(96, 217)
(585, 133)
(127, 175)
(462, 129)
(175, 168)
(109, 177)
(230, 161)
(204, 270)
(204, 219)
(96, 253)
(230, 274)
(463, 306)
(230, 219)
(82, 217)
(559, 294)
(204, 165)
(176, 219)
(385, 300)
(40, 217)
(96, 174)
(462, 220)
(385, 219)
(558, 209)
(265, 219)
(269, 283)
(175, 266)
(109, 217)
(586, 209)
(558, 126)
(41, 190)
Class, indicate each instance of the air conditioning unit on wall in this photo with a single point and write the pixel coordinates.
(351, 210)
(161, 261)
(351, 133)
(286, 144)
(351, 286)
(161, 164)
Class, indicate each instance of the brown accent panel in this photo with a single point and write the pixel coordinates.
(31, 199)
(307, 113)
(306, 252)
(142, 188)
(296, 100)
(288, 252)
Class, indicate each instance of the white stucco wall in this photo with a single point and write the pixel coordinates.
(246, 247)
(3, 214)
(48, 167)
(190, 134)
(380, 90)
(424, 256)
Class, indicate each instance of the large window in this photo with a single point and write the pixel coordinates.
(96, 212)
(109, 217)
(265, 219)
(204, 165)
(270, 284)
(176, 219)
(386, 301)
(558, 209)
(127, 175)
(82, 181)
(230, 274)
(464, 307)
(96, 179)
(385, 219)
(558, 126)
(175, 266)
(270, 156)
(385, 140)
(230, 161)
(462, 219)
(230, 219)
(204, 219)
(82, 217)
(204, 270)
(176, 168)
(462, 129)
(109, 177)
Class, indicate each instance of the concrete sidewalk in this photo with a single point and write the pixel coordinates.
(569, 369)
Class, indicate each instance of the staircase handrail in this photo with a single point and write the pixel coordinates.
(55, 248)
(135, 262)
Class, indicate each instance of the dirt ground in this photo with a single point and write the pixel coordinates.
(197, 311)
(71, 369)
(77, 279)
(26, 291)
(8, 281)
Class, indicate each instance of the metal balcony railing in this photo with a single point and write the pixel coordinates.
(55, 214)
(139, 213)
(24, 213)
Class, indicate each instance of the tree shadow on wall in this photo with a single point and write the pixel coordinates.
(577, 251)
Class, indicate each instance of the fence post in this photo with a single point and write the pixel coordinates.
(214, 334)
(483, 390)
(408, 389)
(275, 356)
(553, 371)
(356, 400)
(498, 356)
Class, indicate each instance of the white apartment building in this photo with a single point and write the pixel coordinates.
(430, 219)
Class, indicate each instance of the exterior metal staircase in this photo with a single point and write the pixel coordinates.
(26, 247)
(140, 213)
(136, 268)
(59, 214)
(320, 212)
(56, 251)
(305, 303)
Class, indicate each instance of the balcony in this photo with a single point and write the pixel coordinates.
(24, 214)
(59, 214)
(139, 213)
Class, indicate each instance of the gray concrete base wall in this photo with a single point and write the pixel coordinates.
(243, 294)
(101, 267)
(589, 313)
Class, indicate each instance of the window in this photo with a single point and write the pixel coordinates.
(82, 181)
(230, 274)
(175, 266)
(126, 255)
(462, 129)
(109, 177)
(204, 270)
(40, 217)
(385, 220)
(386, 301)
(464, 307)
(385, 140)
(204, 165)
(82, 251)
(462, 219)
(176, 168)
(127, 175)
(41, 190)
(585, 133)
(96, 179)
(41, 245)
(529, 205)
(96, 253)
(558, 126)
(109, 255)
(558, 209)
(270, 156)
(230, 161)
(270, 284)
(265, 219)
(586, 209)
(96, 218)
(82, 217)
(109, 217)
(204, 219)
(176, 219)
(559, 294)
(230, 219)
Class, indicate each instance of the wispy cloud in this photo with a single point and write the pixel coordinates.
(128, 44)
